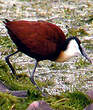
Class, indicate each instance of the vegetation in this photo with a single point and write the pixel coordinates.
(75, 19)
(65, 101)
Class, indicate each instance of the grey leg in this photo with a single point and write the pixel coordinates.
(8, 62)
(32, 75)
(32, 78)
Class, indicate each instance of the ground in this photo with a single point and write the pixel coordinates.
(75, 18)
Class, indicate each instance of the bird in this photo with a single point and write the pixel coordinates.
(42, 40)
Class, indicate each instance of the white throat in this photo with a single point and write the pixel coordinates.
(72, 49)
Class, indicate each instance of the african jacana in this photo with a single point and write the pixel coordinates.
(43, 41)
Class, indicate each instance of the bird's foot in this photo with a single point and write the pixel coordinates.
(32, 80)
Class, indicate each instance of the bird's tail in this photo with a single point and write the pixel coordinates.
(6, 21)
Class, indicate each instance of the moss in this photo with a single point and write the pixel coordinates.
(65, 101)
(90, 19)
(76, 32)
(69, 101)
(81, 63)
(10, 102)
(62, 102)
(89, 46)
(6, 41)
(82, 32)
(77, 99)
(23, 83)
(56, 66)
(72, 32)
(7, 45)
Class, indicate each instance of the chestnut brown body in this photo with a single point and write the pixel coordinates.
(38, 39)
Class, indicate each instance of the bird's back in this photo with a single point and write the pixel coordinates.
(38, 39)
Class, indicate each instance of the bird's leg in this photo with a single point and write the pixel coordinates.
(9, 64)
(32, 75)
(32, 78)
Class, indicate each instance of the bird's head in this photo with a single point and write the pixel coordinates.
(73, 48)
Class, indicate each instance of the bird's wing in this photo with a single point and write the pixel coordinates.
(40, 46)
(42, 38)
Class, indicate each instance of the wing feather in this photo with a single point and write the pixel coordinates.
(40, 37)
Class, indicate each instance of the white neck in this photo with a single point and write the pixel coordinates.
(71, 51)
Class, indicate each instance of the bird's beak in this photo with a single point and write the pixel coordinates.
(85, 55)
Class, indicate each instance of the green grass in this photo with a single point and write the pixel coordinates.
(71, 101)
(57, 66)
(81, 63)
(65, 101)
